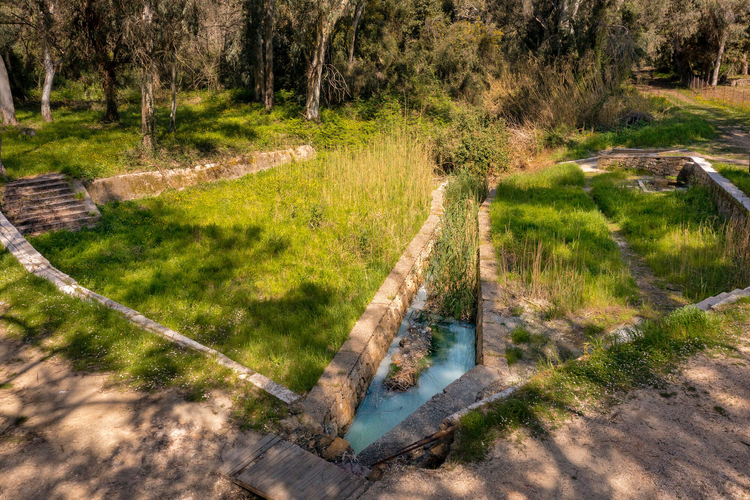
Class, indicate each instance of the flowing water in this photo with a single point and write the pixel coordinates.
(381, 410)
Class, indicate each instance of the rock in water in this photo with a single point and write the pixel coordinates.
(338, 448)
(410, 360)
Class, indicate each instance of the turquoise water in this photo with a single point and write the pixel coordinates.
(382, 410)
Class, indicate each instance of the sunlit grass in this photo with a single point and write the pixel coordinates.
(210, 126)
(551, 237)
(680, 235)
(737, 174)
(272, 269)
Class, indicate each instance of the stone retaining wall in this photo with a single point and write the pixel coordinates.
(661, 166)
(732, 203)
(334, 400)
(143, 184)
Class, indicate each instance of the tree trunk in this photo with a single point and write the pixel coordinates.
(315, 75)
(148, 122)
(355, 24)
(173, 113)
(109, 82)
(744, 64)
(259, 73)
(717, 66)
(268, 42)
(6, 98)
(49, 75)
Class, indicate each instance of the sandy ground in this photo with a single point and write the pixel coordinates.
(689, 439)
(66, 435)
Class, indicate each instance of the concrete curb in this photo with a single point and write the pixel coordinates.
(37, 265)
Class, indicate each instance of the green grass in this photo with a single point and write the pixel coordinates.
(272, 269)
(97, 339)
(679, 234)
(672, 128)
(550, 236)
(596, 380)
(737, 174)
(210, 126)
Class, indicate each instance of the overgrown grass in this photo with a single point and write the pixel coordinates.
(97, 339)
(272, 269)
(453, 263)
(672, 128)
(210, 126)
(679, 234)
(595, 380)
(551, 237)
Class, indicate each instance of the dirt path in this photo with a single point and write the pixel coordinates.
(72, 435)
(687, 439)
(733, 138)
(651, 292)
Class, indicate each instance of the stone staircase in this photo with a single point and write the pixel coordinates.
(723, 298)
(50, 202)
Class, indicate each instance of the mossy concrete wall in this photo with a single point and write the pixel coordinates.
(661, 166)
(143, 184)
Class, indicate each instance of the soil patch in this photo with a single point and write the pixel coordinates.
(73, 435)
(689, 438)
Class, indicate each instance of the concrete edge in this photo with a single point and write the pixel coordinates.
(138, 185)
(36, 264)
(342, 385)
(490, 335)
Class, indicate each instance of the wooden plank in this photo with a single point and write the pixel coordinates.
(297, 465)
(263, 471)
(310, 476)
(245, 457)
(330, 487)
(355, 483)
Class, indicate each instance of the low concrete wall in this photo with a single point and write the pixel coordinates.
(490, 333)
(731, 202)
(662, 166)
(334, 400)
(143, 184)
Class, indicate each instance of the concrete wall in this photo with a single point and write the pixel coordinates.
(731, 202)
(143, 184)
(334, 400)
(661, 166)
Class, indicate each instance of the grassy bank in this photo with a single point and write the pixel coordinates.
(598, 379)
(272, 269)
(551, 239)
(671, 127)
(97, 339)
(679, 234)
(210, 126)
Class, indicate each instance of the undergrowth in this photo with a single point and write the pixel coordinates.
(272, 269)
(680, 234)
(597, 379)
(551, 238)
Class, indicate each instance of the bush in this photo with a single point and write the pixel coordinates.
(474, 142)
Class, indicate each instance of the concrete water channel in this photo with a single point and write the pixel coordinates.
(453, 354)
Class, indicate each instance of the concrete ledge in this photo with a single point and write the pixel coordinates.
(36, 264)
(490, 334)
(143, 184)
(334, 400)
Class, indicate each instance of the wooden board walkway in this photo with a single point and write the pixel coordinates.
(278, 470)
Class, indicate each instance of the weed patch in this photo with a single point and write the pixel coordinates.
(273, 269)
(595, 380)
(552, 239)
(679, 234)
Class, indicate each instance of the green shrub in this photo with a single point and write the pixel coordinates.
(473, 142)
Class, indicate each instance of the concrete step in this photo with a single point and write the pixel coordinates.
(36, 187)
(46, 193)
(35, 180)
(61, 204)
(17, 206)
(426, 419)
(45, 217)
(72, 225)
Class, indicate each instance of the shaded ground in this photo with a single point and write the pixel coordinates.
(689, 438)
(71, 435)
